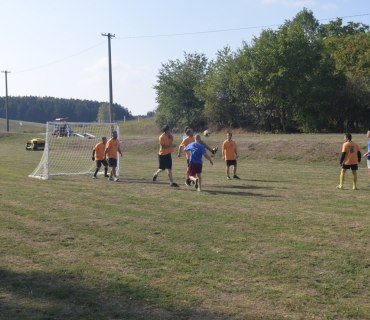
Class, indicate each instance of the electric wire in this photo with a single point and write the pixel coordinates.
(61, 59)
(171, 35)
(224, 30)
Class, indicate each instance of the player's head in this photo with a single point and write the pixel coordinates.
(198, 138)
(348, 137)
(165, 128)
(229, 135)
(189, 132)
(114, 134)
(368, 134)
(104, 139)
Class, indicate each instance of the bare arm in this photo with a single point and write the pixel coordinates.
(208, 158)
(206, 146)
(179, 151)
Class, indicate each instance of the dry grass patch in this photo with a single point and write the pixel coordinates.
(282, 243)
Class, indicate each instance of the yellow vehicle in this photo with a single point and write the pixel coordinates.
(35, 144)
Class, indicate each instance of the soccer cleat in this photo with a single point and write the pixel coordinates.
(106, 176)
(228, 178)
(110, 179)
(154, 177)
(116, 179)
(236, 177)
(94, 177)
(355, 188)
(188, 182)
(174, 184)
(196, 184)
(340, 187)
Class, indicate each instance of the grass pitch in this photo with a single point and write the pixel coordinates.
(282, 243)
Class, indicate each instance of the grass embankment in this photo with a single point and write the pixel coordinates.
(282, 243)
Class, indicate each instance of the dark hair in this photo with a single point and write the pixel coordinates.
(349, 136)
(165, 128)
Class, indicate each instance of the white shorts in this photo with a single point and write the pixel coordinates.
(368, 164)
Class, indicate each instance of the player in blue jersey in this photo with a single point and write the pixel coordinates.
(196, 151)
(367, 154)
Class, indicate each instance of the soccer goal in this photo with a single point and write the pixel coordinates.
(68, 148)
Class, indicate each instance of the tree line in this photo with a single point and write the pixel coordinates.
(302, 77)
(43, 109)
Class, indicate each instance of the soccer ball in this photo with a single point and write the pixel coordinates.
(206, 133)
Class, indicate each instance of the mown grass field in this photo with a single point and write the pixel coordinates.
(282, 243)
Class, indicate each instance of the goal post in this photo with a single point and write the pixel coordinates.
(68, 148)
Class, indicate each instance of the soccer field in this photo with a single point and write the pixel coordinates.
(281, 243)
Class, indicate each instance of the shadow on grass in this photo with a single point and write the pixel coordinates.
(240, 193)
(41, 295)
(244, 187)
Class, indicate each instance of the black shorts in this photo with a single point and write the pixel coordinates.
(101, 162)
(112, 162)
(230, 163)
(353, 167)
(165, 162)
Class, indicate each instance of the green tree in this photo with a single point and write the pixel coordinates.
(175, 89)
(349, 46)
(223, 92)
(292, 84)
(103, 113)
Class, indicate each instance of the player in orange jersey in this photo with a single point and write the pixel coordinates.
(230, 154)
(98, 155)
(350, 158)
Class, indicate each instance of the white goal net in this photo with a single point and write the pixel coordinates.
(68, 148)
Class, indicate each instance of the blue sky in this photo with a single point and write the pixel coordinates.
(55, 47)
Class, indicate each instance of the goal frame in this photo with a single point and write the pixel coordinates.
(77, 134)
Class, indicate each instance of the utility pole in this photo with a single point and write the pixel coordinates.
(7, 102)
(110, 76)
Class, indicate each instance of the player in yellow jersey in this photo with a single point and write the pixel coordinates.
(166, 147)
(350, 158)
(230, 154)
(111, 151)
(98, 155)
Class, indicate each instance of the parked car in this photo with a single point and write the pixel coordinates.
(35, 144)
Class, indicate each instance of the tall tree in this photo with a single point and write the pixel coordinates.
(292, 83)
(349, 46)
(175, 88)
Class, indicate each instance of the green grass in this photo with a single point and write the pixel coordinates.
(282, 243)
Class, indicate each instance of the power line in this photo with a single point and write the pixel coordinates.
(168, 35)
(60, 60)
